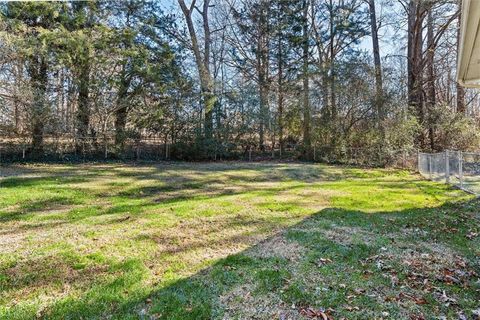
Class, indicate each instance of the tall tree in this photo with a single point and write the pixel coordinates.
(377, 63)
(307, 139)
(280, 87)
(252, 54)
(430, 78)
(281, 35)
(421, 60)
(286, 47)
(81, 51)
(33, 26)
(202, 58)
(128, 58)
(262, 54)
(416, 16)
(337, 26)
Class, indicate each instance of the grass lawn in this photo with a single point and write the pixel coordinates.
(234, 241)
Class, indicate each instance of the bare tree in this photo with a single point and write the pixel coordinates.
(307, 140)
(202, 59)
(416, 16)
(377, 63)
(430, 78)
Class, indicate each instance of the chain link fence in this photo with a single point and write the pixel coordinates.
(65, 148)
(461, 169)
(370, 157)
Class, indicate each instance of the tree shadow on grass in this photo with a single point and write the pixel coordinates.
(361, 265)
(165, 193)
(269, 278)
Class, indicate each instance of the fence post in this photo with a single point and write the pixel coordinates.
(460, 168)
(430, 166)
(447, 167)
(106, 147)
(418, 160)
(314, 153)
(250, 154)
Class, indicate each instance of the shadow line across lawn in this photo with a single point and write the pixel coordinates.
(234, 241)
(417, 263)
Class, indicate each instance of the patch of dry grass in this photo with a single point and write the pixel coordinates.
(203, 240)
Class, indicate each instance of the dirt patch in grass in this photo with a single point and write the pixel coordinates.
(142, 228)
(31, 276)
(194, 241)
(242, 303)
(277, 247)
(349, 235)
(11, 242)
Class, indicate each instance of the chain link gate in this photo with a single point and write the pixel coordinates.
(461, 169)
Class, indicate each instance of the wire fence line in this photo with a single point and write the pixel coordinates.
(103, 147)
(461, 169)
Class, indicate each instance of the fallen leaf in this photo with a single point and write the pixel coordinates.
(472, 235)
(314, 314)
(476, 314)
(323, 261)
(349, 308)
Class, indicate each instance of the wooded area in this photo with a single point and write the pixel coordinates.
(214, 79)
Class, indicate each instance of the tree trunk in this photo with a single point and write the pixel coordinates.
(120, 123)
(18, 76)
(39, 78)
(416, 15)
(431, 100)
(203, 63)
(378, 65)
(121, 114)
(262, 69)
(280, 95)
(334, 130)
(331, 76)
(83, 111)
(307, 143)
(263, 92)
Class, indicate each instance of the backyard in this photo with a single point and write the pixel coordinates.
(234, 240)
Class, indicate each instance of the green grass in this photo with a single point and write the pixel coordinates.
(234, 241)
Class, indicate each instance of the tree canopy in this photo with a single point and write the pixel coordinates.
(216, 78)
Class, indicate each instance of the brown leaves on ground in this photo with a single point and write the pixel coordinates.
(323, 261)
(402, 296)
(424, 271)
(311, 313)
(421, 268)
(472, 235)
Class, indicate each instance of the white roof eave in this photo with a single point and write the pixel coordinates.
(468, 67)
